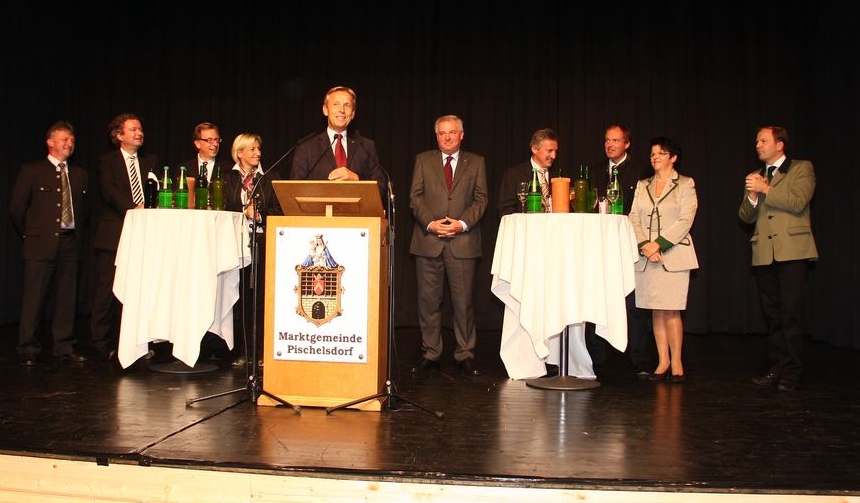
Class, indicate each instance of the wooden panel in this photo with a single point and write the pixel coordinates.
(44, 480)
(326, 384)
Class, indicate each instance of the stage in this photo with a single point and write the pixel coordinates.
(95, 432)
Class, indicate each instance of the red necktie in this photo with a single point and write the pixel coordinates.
(449, 173)
(339, 152)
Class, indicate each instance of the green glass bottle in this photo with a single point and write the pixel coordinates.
(582, 188)
(201, 191)
(165, 190)
(181, 195)
(216, 190)
(534, 202)
(614, 194)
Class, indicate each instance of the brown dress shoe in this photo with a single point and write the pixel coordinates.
(769, 379)
(426, 365)
(465, 367)
(71, 356)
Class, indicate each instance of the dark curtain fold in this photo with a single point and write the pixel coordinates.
(706, 73)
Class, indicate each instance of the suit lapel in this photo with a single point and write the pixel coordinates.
(781, 171)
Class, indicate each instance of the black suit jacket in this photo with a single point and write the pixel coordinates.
(267, 202)
(511, 178)
(34, 207)
(629, 173)
(192, 168)
(115, 195)
(314, 160)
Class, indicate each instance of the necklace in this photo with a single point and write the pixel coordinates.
(662, 179)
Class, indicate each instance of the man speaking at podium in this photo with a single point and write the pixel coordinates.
(336, 154)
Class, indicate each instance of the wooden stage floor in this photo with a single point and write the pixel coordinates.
(715, 433)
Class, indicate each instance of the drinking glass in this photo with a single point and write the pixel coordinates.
(612, 193)
(522, 192)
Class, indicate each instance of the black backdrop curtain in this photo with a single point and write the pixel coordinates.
(708, 74)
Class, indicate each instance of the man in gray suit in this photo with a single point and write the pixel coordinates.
(777, 200)
(448, 199)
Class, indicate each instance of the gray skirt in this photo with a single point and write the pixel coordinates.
(657, 288)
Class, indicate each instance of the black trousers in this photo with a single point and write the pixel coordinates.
(42, 278)
(641, 348)
(781, 290)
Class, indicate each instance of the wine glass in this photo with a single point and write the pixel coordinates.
(522, 192)
(612, 193)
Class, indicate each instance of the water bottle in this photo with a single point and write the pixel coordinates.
(534, 199)
(181, 196)
(165, 191)
(614, 194)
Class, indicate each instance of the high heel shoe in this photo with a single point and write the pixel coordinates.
(661, 376)
(676, 378)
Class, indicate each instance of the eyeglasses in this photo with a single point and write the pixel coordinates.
(210, 141)
(658, 154)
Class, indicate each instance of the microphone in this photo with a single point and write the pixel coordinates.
(258, 177)
(319, 157)
(290, 151)
(389, 184)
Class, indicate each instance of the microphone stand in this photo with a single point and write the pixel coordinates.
(254, 385)
(388, 394)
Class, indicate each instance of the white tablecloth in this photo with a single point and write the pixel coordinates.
(177, 276)
(557, 269)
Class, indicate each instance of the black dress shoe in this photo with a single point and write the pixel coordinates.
(786, 385)
(769, 379)
(551, 370)
(71, 356)
(465, 367)
(425, 365)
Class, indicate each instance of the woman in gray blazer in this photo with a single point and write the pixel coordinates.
(663, 210)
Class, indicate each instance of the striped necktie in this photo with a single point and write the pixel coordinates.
(544, 187)
(136, 189)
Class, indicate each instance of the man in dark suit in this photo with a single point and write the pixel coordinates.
(207, 141)
(448, 198)
(120, 175)
(544, 147)
(776, 200)
(49, 208)
(640, 345)
(336, 154)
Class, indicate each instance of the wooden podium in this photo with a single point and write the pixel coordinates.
(325, 338)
